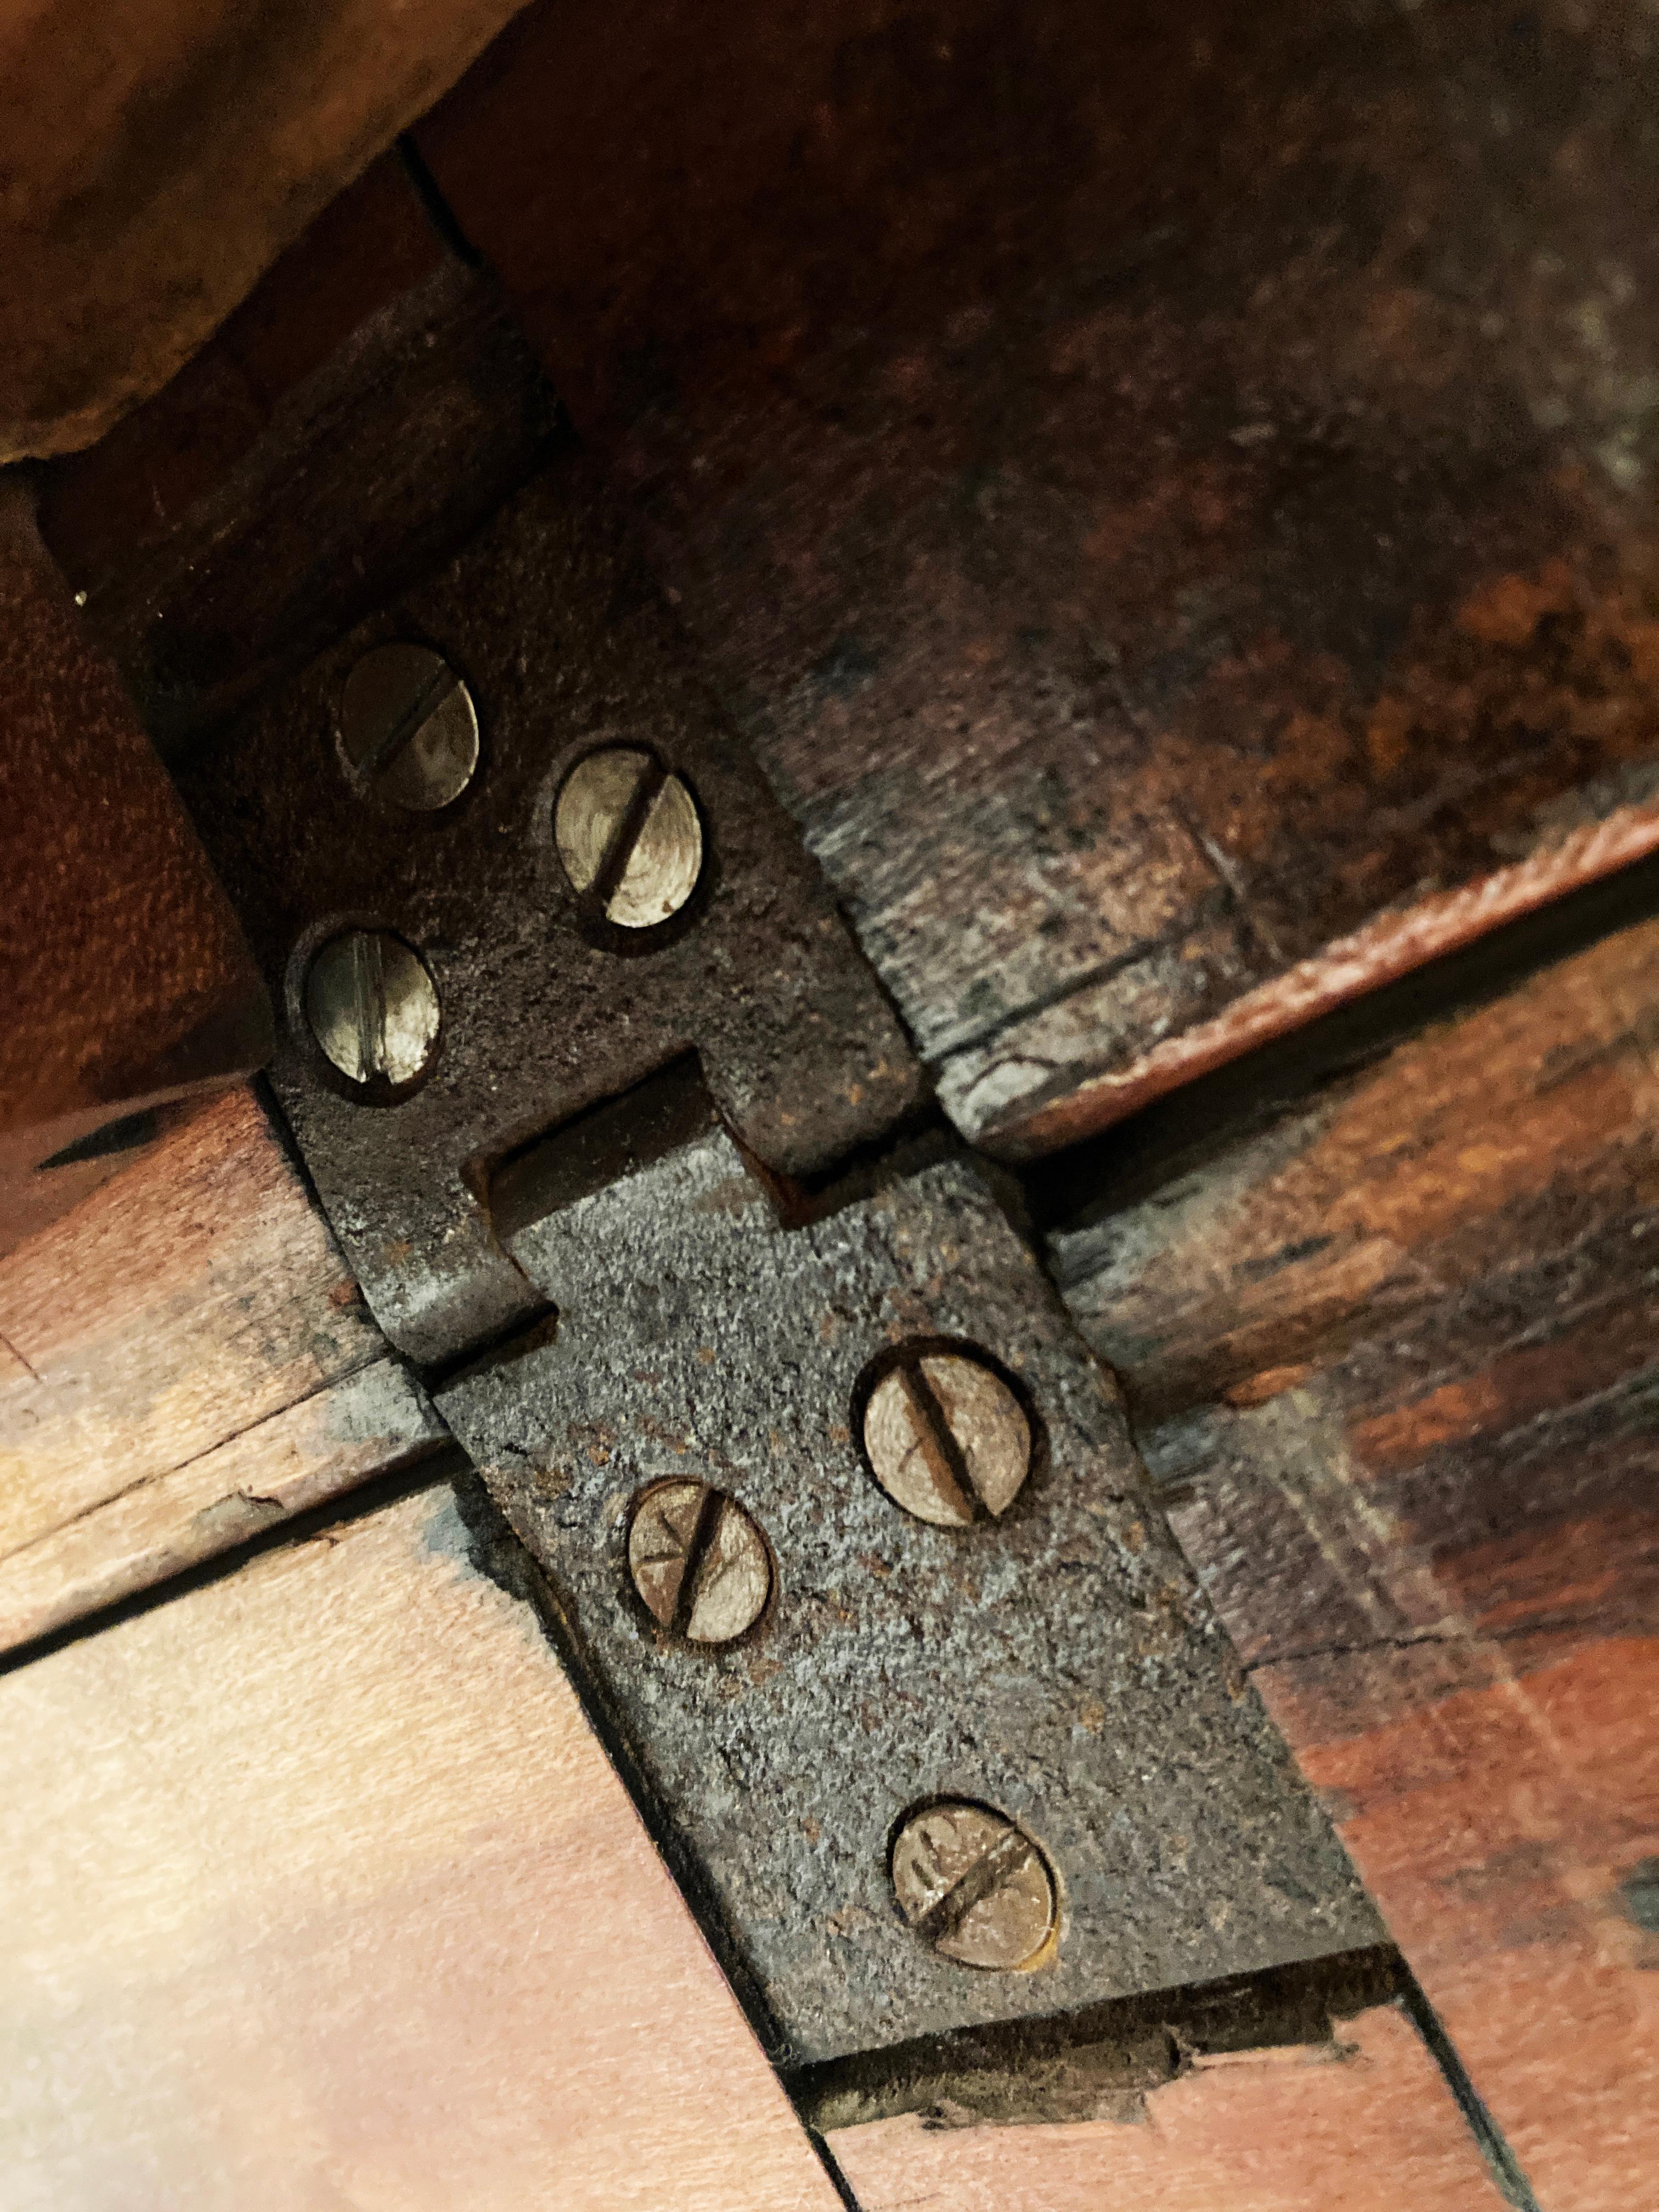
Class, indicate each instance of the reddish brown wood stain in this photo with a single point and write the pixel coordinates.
(1435, 1534)
(1496, 1822)
(1171, 600)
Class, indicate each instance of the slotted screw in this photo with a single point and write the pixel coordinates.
(409, 727)
(973, 1887)
(629, 836)
(698, 1561)
(947, 1439)
(372, 1007)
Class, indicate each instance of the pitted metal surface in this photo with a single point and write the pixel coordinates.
(547, 1004)
(1056, 1664)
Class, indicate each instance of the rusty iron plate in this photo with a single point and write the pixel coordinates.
(1054, 1664)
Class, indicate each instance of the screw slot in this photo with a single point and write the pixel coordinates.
(629, 836)
(407, 727)
(973, 1887)
(699, 1562)
(946, 1436)
(372, 1009)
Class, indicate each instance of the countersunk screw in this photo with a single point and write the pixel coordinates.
(947, 1439)
(409, 727)
(973, 1887)
(372, 1007)
(698, 1561)
(629, 834)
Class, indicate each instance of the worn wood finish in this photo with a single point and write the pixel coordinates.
(127, 982)
(1393, 1364)
(362, 410)
(158, 159)
(1367, 2127)
(1513, 1131)
(1162, 490)
(321, 1893)
(187, 1359)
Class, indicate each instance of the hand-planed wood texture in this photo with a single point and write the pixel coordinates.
(160, 157)
(1369, 2126)
(1165, 493)
(320, 1892)
(185, 1360)
(1393, 1363)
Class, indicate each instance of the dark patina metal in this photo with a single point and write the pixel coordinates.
(565, 648)
(1057, 1664)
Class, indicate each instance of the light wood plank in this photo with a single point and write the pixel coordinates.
(321, 1894)
(1298, 2129)
(188, 1336)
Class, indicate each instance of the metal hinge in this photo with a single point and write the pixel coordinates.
(841, 1519)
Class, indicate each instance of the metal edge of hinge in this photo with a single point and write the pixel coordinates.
(949, 1746)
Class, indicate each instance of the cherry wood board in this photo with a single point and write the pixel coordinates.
(321, 1893)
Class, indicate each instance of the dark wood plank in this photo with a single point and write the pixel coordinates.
(159, 160)
(128, 985)
(1165, 529)
(363, 411)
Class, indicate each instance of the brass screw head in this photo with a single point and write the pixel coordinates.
(372, 1007)
(947, 1439)
(698, 1561)
(973, 1887)
(629, 836)
(408, 728)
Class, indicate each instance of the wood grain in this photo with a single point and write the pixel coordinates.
(185, 1345)
(321, 1893)
(1514, 1131)
(156, 165)
(362, 410)
(1392, 1365)
(1507, 1818)
(1296, 2130)
(128, 982)
(1170, 598)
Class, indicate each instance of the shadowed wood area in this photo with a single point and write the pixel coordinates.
(1367, 2126)
(1164, 491)
(184, 1361)
(158, 158)
(1392, 1363)
(321, 1893)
